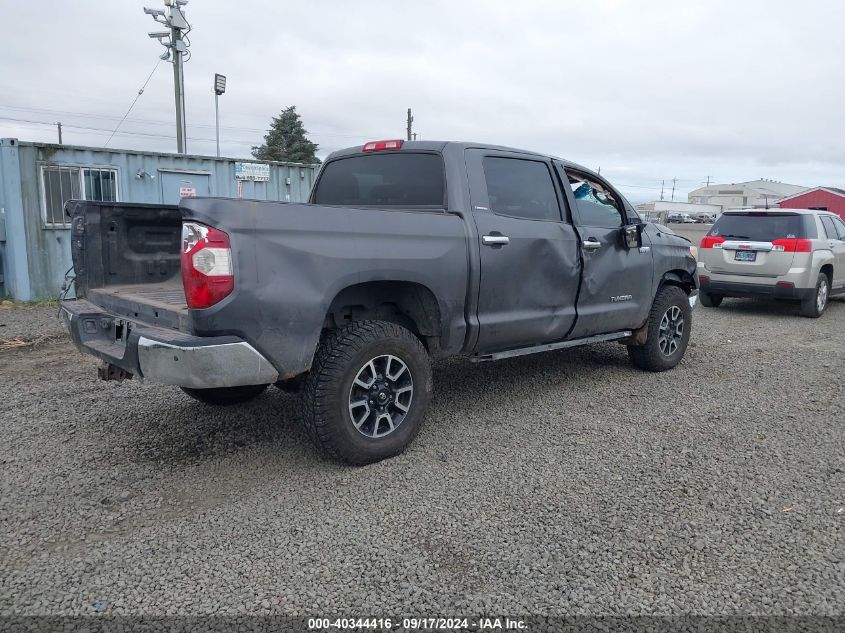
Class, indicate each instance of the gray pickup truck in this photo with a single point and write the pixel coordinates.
(406, 252)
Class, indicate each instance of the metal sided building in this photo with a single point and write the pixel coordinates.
(36, 179)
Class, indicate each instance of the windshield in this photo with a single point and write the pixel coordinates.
(760, 227)
(394, 179)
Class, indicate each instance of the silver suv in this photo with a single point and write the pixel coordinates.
(783, 254)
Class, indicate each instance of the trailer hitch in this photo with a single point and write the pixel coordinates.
(107, 371)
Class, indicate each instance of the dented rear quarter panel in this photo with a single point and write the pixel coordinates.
(291, 260)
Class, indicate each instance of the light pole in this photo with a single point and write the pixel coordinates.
(219, 89)
(174, 40)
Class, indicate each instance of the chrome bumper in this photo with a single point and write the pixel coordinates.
(204, 367)
(162, 355)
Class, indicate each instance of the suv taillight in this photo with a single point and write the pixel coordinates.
(709, 241)
(792, 245)
(206, 265)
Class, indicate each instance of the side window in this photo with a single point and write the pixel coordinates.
(521, 188)
(829, 227)
(597, 206)
(840, 227)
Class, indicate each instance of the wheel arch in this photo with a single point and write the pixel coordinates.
(827, 269)
(680, 278)
(410, 304)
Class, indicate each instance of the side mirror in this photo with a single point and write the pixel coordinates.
(633, 235)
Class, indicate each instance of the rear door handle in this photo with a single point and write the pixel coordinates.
(591, 244)
(495, 240)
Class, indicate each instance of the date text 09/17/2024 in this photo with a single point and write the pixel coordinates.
(417, 623)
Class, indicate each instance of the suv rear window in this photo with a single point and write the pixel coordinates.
(383, 180)
(762, 227)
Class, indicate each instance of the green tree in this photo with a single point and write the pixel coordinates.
(286, 140)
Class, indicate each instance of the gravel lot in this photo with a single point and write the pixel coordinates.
(561, 483)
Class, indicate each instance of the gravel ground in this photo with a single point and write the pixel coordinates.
(563, 483)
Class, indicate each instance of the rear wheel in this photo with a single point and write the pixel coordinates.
(367, 392)
(710, 301)
(814, 305)
(669, 326)
(223, 396)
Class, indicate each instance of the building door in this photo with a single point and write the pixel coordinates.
(178, 185)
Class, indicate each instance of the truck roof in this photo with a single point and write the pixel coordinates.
(443, 146)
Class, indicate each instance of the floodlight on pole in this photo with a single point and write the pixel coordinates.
(219, 89)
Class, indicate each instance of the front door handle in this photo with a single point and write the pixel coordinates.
(495, 240)
(591, 244)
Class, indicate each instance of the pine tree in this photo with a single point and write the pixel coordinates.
(286, 140)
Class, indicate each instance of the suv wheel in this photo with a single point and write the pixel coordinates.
(225, 396)
(669, 325)
(367, 392)
(814, 305)
(710, 301)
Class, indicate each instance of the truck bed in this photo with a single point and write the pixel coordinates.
(157, 304)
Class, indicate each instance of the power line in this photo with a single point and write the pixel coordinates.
(134, 101)
(100, 130)
(168, 123)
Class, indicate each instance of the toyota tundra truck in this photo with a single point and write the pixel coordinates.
(405, 252)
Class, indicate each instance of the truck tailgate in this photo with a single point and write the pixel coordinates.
(126, 260)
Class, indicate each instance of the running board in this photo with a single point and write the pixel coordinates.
(536, 349)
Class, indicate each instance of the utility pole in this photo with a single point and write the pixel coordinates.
(410, 125)
(708, 181)
(174, 41)
(674, 180)
(59, 126)
(662, 184)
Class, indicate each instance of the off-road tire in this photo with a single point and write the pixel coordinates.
(810, 306)
(649, 356)
(225, 396)
(325, 395)
(710, 301)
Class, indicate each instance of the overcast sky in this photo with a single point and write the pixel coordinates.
(646, 90)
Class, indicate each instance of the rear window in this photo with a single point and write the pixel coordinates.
(762, 227)
(383, 180)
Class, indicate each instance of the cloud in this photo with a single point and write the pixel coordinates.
(649, 91)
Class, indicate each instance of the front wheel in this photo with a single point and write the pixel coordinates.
(224, 396)
(367, 392)
(669, 325)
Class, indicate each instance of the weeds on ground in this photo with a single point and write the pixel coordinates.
(9, 304)
(19, 342)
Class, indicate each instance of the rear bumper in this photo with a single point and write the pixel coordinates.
(737, 289)
(163, 355)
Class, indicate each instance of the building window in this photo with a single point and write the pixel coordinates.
(61, 184)
(100, 184)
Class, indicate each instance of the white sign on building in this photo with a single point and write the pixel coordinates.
(259, 172)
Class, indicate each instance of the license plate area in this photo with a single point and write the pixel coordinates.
(745, 256)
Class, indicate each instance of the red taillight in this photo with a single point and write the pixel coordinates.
(704, 279)
(792, 245)
(207, 274)
(709, 241)
(377, 146)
